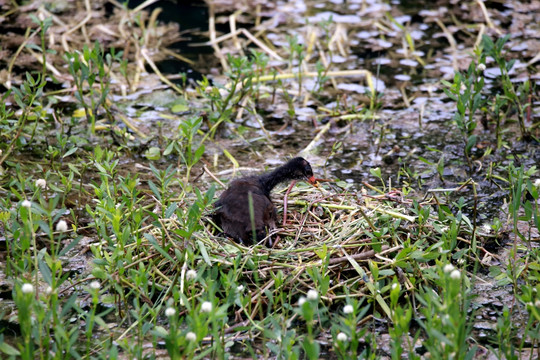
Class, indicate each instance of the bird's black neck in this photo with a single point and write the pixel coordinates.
(273, 178)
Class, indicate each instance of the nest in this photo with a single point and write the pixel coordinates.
(330, 232)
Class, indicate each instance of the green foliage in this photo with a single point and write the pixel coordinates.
(89, 68)
(516, 97)
(445, 318)
(466, 91)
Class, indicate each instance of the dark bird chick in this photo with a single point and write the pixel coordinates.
(233, 210)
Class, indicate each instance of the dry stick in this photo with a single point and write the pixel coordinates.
(302, 224)
(151, 25)
(456, 189)
(345, 73)
(214, 177)
(480, 34)
(212, 30)
(214, 41)
(177, 56)
(392, 213)
(78, 26)
(158, 73)
(12, 62)
(183, 277)
(404, 96)
(312, 41)
(486, 16)
(452, 42)
(123, 35)
(362, 256)
(313, 144)
(143, 5)
(54, 18)
(130, 125)
(232, 25)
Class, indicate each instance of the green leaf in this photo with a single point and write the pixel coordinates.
(198, 154)
(179, 108)
(169, 149)
(204, 253)
(45, 271)
(170, 210)
(160, 331)
(152, 240)
(154, 189)
(9, 350)
(321, 253)
(153, 153)
(376, 172)
(471, 142)
(70, 151)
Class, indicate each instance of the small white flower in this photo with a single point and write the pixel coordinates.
(206, 307)
(191, 274)
(170, 312)
(41, 183)
(481, 67)
(448, 268)
(301, 301)
(190, 336)
(486, 228)
(395, 285)
(463, 87)
(455, 275)
(27, 204)
(342, 337)
(537, 303)
(240, 288)
(312, 295)
(348, 309)
(95, 285)
(48, 290)
(537, 183)
(61, 226)
(27, 288)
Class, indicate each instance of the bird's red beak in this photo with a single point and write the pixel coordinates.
(313, 181)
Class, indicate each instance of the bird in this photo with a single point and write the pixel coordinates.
(232, 209)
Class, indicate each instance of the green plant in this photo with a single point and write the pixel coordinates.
(516, 97)
(466, 91)
(188, 151)
(445, 319)
(296, 58)
(28, 98)
(225, 100)
(89, 68)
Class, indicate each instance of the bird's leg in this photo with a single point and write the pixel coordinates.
(278, 238)
(285, 199)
